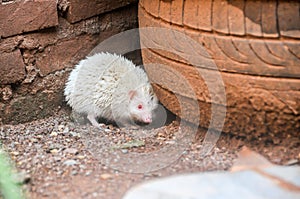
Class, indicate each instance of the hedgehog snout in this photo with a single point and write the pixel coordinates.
(147, 119)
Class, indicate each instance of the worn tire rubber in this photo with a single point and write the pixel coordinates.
(256, 48)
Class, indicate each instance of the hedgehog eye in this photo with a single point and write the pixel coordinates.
(140, 106)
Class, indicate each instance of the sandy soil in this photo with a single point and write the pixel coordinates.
(56, 158)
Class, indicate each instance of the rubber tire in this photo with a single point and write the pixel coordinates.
(254, 44)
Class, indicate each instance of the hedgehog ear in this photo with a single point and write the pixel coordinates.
(131, 94)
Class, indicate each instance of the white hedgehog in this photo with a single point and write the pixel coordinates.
(110, 86)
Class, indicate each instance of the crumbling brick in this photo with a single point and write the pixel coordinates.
(12, 67)
(64, 54)
(79, 10)
(25, 16)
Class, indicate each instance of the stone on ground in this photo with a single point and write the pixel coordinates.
(260, 181)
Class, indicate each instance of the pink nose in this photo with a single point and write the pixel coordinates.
(148, 120)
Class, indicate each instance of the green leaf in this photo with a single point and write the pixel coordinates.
(8, 187)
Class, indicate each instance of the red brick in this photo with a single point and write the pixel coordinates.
(10, 44)
(64, 54)
(12, 68)
(25, 16)
(79, 10)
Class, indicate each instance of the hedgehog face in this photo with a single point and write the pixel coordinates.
(141, 106)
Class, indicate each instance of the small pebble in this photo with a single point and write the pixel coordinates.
(107, 130)
(34, 140)
(106, 176)
(53, 134)
(54, 151)
(82, 166)
(67, 140)
(170, 142)
(61, 127)
(124, 151)
(88, 173)
(80, 157)
(74, 134)
(57, 159)
(71, 150)
(15, 153)
(95, 194)
(74, 173)
(66, 130)
(40, 136)
(70, 162)
(184, 152)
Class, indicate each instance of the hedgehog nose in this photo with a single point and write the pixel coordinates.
(148, 120)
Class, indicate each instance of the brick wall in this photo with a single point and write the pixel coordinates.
(40, 40)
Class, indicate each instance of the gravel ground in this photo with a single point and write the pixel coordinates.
(56, 158)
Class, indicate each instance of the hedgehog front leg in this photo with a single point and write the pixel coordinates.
(92, 118)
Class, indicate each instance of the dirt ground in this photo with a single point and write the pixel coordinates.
(56, 158)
